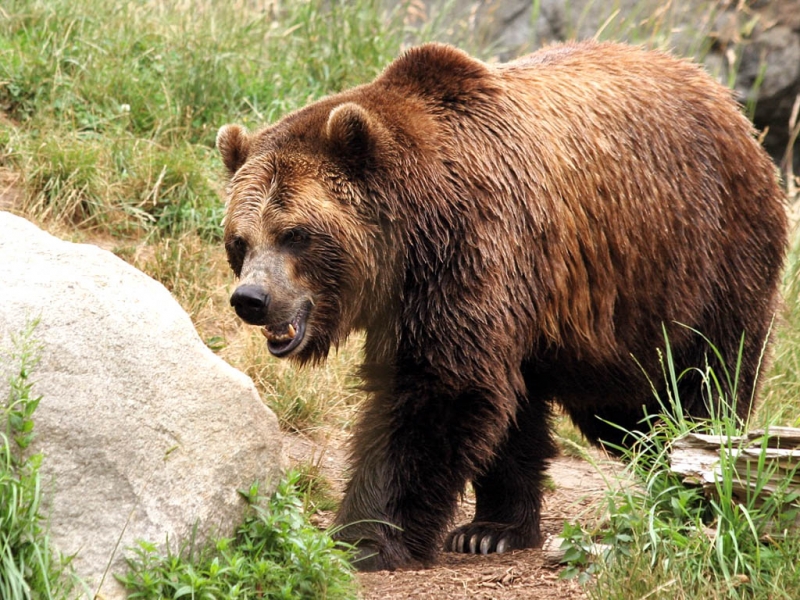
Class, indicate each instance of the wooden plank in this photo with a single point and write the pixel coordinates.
(697, 457)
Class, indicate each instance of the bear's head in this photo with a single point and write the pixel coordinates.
(325, 206)
(299, 232)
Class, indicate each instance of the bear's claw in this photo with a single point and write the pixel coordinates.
(487, 538)
(477, 544)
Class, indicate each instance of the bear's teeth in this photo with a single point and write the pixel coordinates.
(264, 332)
(292, 332)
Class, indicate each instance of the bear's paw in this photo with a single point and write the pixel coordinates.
(484, 537)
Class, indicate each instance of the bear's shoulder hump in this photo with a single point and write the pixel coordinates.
(437, 69)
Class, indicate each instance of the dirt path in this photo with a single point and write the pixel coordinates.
(517, 574)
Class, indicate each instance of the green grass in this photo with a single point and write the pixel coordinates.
(170, 74)
(570, 440)
(114, 108)
(304, 400)
(665, 539)
(782, 381)
(317, 491)
(275, 554)
(669, 540)
(27, 568)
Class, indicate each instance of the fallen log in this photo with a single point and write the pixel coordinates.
(763, 462)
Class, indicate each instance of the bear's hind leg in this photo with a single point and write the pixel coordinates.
(508, 494)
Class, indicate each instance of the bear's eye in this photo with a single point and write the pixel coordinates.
(295, 238)
(236, 246)
(236, 249)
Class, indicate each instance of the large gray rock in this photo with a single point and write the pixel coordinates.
(144, 431)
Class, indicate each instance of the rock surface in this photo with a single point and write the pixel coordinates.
(755, 45)
(144, 431)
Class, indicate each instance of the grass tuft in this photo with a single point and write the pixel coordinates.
(317, 491)
(302, 399)
(27, 569)
(276, 554)
(662, 538)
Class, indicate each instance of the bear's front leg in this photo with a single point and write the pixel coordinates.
(413, 453)
(508, 493)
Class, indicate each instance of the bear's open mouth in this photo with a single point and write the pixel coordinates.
(283, 338)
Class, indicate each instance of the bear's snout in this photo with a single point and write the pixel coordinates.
(251, 302)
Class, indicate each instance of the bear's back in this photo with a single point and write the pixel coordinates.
(566, 164)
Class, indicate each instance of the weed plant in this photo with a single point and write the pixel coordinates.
(27, 568)
(276, 554)
(664, 539)
(317, 491)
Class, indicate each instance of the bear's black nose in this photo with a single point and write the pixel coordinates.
(250, 303)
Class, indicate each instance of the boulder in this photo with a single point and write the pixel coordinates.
(145, 432)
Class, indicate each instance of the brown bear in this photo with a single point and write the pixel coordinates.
(509, 236)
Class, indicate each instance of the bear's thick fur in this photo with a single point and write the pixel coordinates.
(508, 236)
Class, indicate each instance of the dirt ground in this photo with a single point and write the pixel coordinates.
(516, 574)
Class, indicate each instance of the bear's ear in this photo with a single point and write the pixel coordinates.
(354, 134)
(233, 144)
